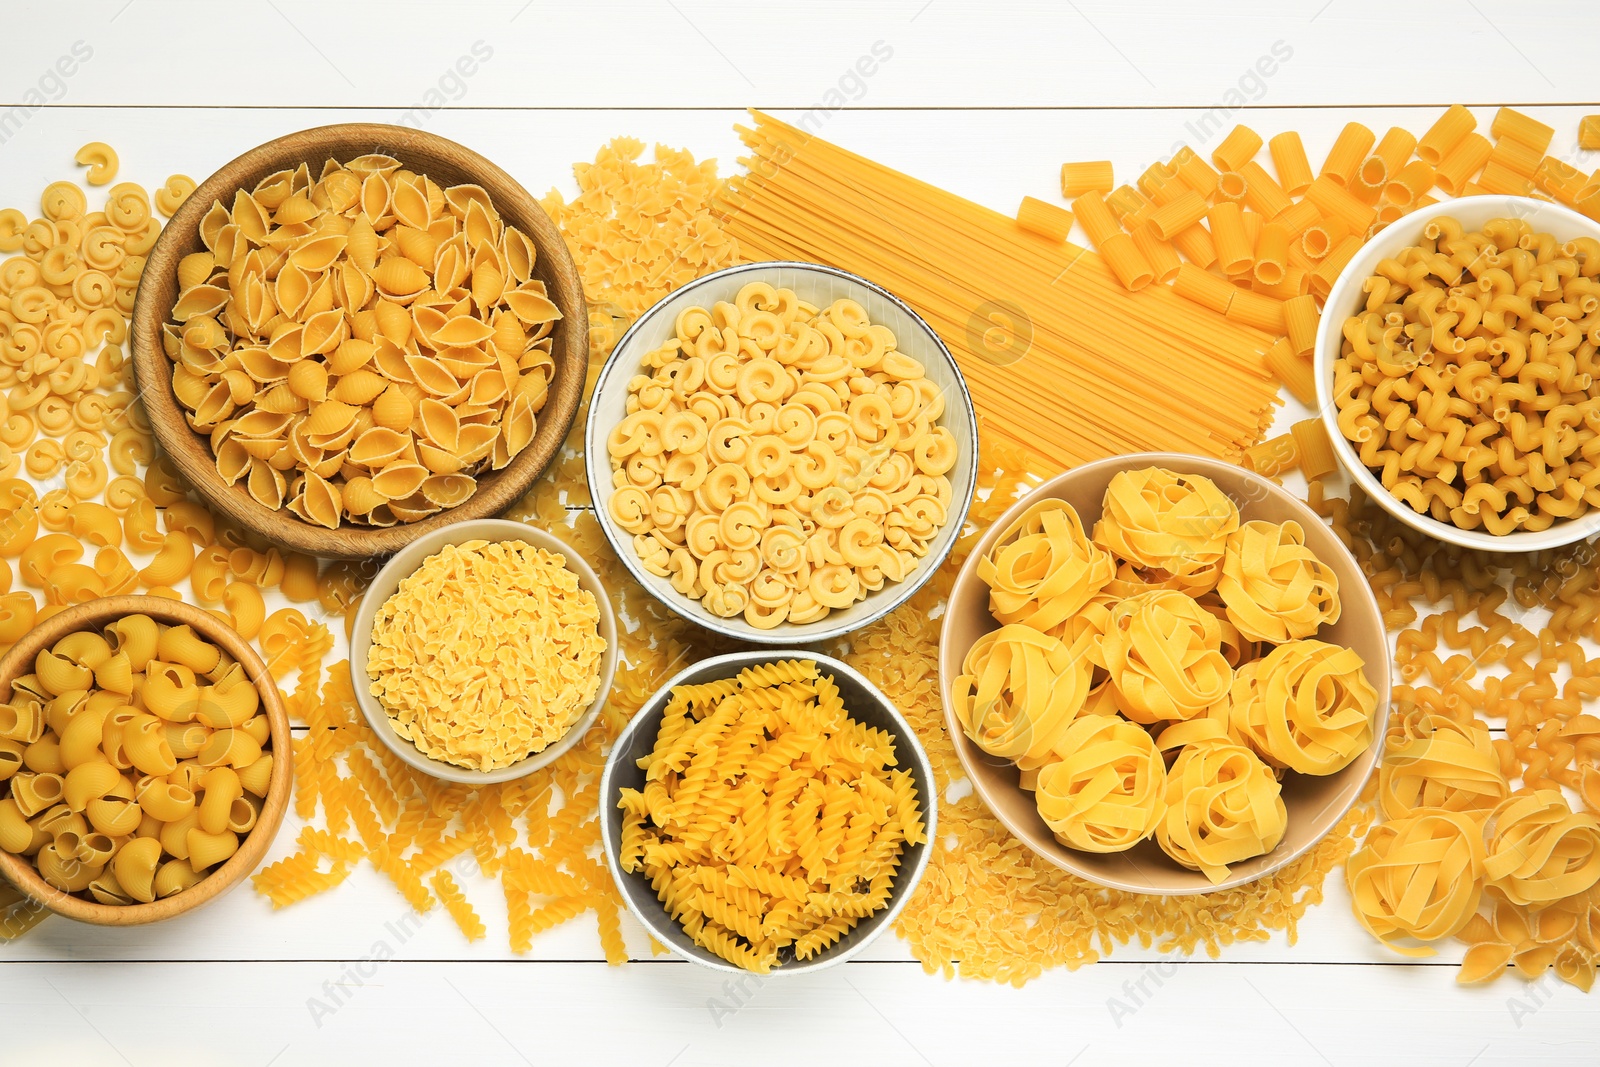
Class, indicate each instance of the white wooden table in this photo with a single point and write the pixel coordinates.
(985, 99)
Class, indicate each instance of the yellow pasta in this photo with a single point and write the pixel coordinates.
(1090, 177)
(1417, 879)
(1236, 149)
(124, 814)
(712, 481)
(1109, 792)
(1513, 125)
(805, 855)
(1172, 529)
(415, 347)
(1275, 589)
(486, 654)
(1446, 132)
(1223, 804)
(1316, 451)
(1588, 133)
(1047, 220)
(101, 160)
(1458, 166)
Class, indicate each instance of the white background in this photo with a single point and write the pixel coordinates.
(986, 99)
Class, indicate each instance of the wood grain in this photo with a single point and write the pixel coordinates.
(447, 163)
(96, 614)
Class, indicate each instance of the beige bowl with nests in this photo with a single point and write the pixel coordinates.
(447, 164)
(1315, 803)
(93, 615)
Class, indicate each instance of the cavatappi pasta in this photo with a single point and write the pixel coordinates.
(133, 761)
(1465, 381)
(1174, 628)
(771, 822)
(780, 461)
(486, 654)
(362, 344)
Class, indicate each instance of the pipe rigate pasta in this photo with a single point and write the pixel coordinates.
(132, 809)
(758, 853)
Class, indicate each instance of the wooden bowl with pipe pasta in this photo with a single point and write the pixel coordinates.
(342, 359)
(267, 795)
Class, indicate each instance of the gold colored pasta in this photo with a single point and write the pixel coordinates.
(101, 159)
(1275, 588)
(1109, 792)
(806, 855)
(1306, 706)
(1417, 879)
(1171, 528)
(487, 653)
(759, 417)
(1089, 177)
(1223, 804)
(1163, 654)
(315, 362)
(1044, 219)
(98, 769)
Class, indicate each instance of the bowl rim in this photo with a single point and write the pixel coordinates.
(1328, 343)
(659, 924)
(404, 563)
(153, 371)
(94, 613)
(950, 666)
(786, 633)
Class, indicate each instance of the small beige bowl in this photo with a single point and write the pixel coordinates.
(866, 704)
(93, 615)
(1347, 297)
(1315, 803)
(407, 561)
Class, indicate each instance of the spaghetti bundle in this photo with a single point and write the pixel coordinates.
(1062, 361)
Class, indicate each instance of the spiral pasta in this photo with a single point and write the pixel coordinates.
(771, 822)
(1275, 588)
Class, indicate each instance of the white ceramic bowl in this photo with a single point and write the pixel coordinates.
(406, 561)
(866, 704)
(1346, 297)
(818, 285)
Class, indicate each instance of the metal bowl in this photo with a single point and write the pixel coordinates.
(865, 703)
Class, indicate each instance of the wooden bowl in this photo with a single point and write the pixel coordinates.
(866, 703)
(445, 162)
(93, 615)
(402, 566)
(1315, 803)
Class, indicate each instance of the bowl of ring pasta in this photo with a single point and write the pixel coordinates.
(781, 452)
(145, 762)
(1455, 372)
(1164, 674)
(767, 812)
